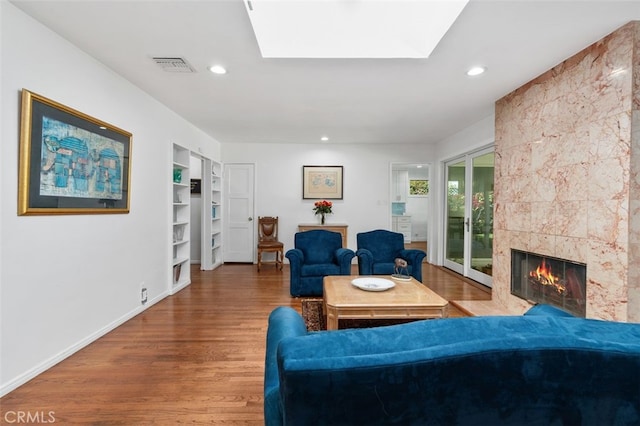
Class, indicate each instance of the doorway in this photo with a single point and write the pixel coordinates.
(196, 206)
(239, 226)
(410, 203)
(469, 215)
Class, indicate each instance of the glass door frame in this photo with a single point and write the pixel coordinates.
(463, 268)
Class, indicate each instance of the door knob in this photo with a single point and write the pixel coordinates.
(250, 219)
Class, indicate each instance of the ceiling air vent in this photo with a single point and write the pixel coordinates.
(174, 65)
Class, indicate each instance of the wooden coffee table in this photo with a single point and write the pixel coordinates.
(408, 299)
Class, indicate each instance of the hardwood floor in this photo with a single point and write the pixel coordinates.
(195, 357)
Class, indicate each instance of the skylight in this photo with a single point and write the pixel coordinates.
(351, 28)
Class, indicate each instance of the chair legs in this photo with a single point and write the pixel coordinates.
(278, 260)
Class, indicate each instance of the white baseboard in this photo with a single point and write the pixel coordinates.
(41, 368)
(176, 289)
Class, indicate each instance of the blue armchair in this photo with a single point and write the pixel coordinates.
(317, 253)
(377, 251)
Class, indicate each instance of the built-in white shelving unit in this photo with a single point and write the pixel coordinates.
(180, 272)
(212, 227)
(216, 214)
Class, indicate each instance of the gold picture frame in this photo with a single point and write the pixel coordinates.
(324, 182)
(70, 162)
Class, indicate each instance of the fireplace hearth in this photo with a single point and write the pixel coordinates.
(544, 279)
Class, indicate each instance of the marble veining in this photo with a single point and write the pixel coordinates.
(568, 174)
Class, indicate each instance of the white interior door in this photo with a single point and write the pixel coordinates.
(239, 240)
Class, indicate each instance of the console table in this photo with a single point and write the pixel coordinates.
(340, 228)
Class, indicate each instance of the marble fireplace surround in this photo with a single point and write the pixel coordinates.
(567, 176)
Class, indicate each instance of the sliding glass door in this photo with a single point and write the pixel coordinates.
(469, 216)
(455, 215)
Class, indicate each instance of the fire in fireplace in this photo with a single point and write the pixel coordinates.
(545, 279)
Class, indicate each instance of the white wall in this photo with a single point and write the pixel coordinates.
(366, 204)
(66, 280)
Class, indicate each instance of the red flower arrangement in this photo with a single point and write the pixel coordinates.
(322, 207)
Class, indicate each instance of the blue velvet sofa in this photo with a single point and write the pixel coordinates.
(543, 368)
(316, 254)
(377, 251)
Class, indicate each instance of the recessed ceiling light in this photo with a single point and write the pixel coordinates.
(324, 138)
(217, 69)
(476, 71)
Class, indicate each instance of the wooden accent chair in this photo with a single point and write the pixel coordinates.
(268, 240)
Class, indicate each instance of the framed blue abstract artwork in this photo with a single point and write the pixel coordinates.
(70, 163)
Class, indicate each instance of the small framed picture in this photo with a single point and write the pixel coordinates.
(322, 182)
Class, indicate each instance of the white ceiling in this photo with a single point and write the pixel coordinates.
(349, 100)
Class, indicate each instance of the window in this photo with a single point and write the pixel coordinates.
(418, 187)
